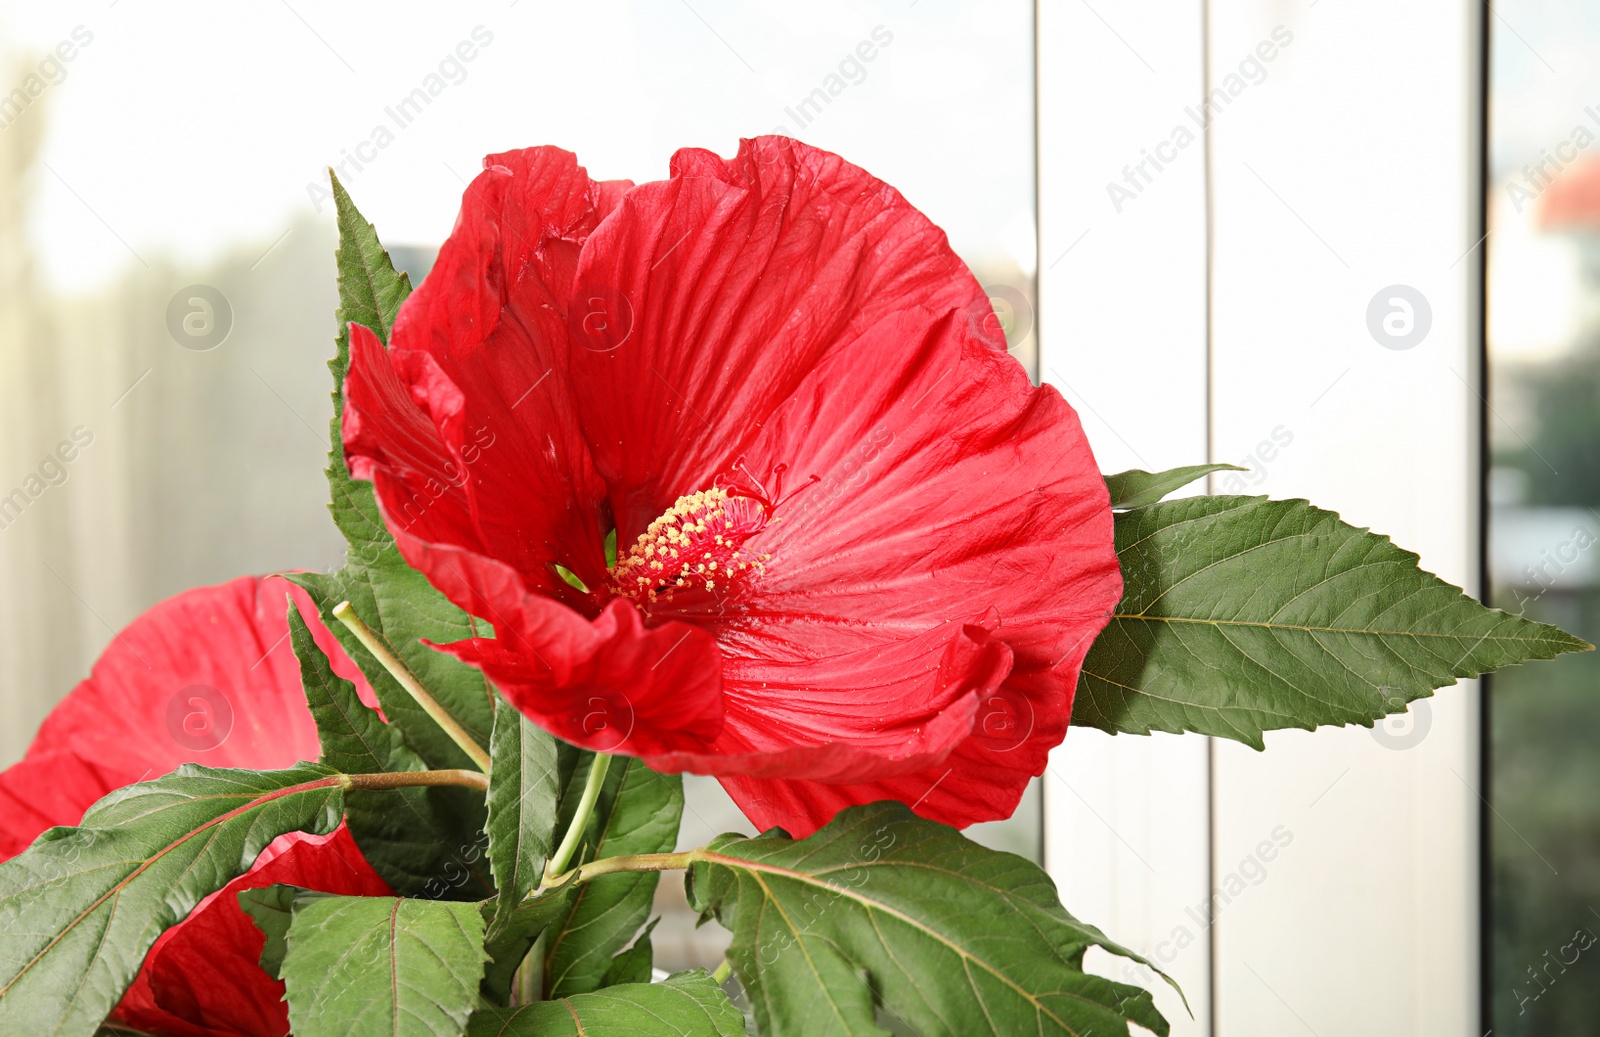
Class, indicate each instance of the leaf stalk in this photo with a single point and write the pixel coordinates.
(408, 680)
(416, 779)
(580, 819)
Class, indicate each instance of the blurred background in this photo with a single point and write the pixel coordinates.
(163, 163)
(1544, 491)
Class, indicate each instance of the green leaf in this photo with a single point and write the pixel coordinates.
(1243, 615)
(420, 840)
(883, 907)
(82, 906)
(382, 967)
(388, 595)
(524, 784)
(685, 1005)
(370, 292)
(394, 600)
(638, 812)
(635, 964)
(508, 947)
(1136, 488)
(271, 908)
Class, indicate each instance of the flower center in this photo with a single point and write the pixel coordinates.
(698, 543)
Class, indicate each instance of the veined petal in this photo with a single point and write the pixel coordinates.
(207, 676)
(740, 276)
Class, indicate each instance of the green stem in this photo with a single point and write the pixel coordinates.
(628, 862)
(529, 979)
(416, 779)
(580, 818)
(408, 680)
(720, 976)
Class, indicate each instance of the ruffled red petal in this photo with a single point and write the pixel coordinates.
(931, 570)
(203, 977)
(208, 677)
(738, 278)
(943, 490)
(470, 435)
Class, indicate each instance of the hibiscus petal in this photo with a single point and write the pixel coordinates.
(49, 788)
(740, 276)
(898, 708)
(203, 978)
(942, 490)
(208, 677)
(467, 427)
(919, 602)
(609, 684)
(204, 677)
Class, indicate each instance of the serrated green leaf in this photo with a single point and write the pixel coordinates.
(393, 599)
(271, 908)
(382, 967)
(952, 937)
(1243, 615)
(396, 601)
(638, 812)
(508, 947)
(1136, 488)
(688, 1004)
(421, 841)
(637, 963)
(524, 786)
(370, 292)
(82, 906)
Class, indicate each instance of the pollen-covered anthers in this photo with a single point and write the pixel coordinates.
(698, 543)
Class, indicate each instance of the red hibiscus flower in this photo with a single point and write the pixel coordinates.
(204, 677)
(858, 555)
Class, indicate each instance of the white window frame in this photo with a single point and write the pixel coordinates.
(1225, 301)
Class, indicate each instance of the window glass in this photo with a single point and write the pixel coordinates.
(1544, 530)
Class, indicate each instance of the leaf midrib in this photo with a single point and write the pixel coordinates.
(736, 863)
(1314, 629)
